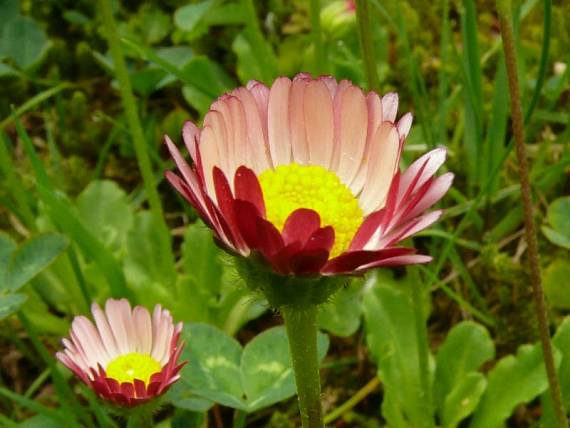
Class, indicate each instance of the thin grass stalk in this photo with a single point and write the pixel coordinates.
(505, 17)
(320, 65)
(423, 350)
(365, 33)
(130, 106)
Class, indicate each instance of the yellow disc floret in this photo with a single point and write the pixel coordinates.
(290, 187)
(129, 367)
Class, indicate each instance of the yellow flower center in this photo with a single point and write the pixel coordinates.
(129, 367)
(294, 186)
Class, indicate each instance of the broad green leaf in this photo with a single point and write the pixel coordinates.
(466, 347)
(104, 209)
(188, 17)
(31, 258)
(213, 369)
(201, 258)
(392, 341)
(559, 221)
(516, 379)
(341, 316)
(23, 40)
(561, 341)
(248, 379)
(556, 279)
(10, 303)
(7, 247)
(267, 374)
(463, 399)
(256, 59)
(180, 397)
(9, 10)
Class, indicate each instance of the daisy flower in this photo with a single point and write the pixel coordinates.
(128, 356)
(304, 177)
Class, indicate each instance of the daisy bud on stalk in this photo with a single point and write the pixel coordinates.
(129, 357)
(300, 181)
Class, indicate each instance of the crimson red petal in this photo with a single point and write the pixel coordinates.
(349, 262)
(300, 225)
(269, 239)
(247, 188)
(321, 239)
(366, 230)
(246, 216)
(308, 262)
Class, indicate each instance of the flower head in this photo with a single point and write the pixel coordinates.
(128, 356)
(304, 176)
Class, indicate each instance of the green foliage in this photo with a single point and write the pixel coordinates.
(391, 338)
(558, 229)
(19, 264)
(248, 378)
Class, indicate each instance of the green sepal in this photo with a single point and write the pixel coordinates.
(287, 290)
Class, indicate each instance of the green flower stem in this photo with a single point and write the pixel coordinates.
(363, 17)
(301, 325)
(133, 120)
(505, 17)
(423, 351)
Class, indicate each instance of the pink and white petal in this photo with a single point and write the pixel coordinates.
(115, 309)
(390, 106)
(159, 332)
(404, 125)
(242, 154)
(351, 129)
(105, 331)
(319, 123)
(210, 158)
(300, 225)
(143, 327)
(432, 160)
(190, 135)
(218, 121)
(436, 191)
(278, 122)
(90, 340)
(260, 93)
(409, 229)
(330, 83)
(299, 144)
(258, 149)
(382, 165)
(374, 108)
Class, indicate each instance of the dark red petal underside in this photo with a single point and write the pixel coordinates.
(308, 261)
(300, 225)
(321, 239)
(246, 220)
(367, 229)
(352, 260)
(269, 239)
(247, 188)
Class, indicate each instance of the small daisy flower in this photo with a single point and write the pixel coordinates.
(128, 356)
(304, 177)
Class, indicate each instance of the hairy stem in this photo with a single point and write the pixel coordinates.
(301, 326)
(505, 16)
